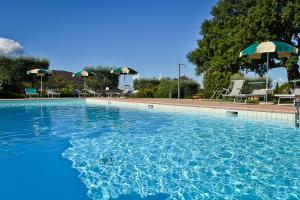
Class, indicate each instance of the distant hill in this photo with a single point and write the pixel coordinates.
(65, 76)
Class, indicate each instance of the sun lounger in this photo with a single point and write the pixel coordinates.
(296, 93)
(93, 92)
(31, 92)
(134, 91)
(52, 93)
(124, 93)
(235, 93)
(78, 93)
(225, 91)
(257, 93)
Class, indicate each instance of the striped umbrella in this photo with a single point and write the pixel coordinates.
(41, 73)
(268, 50)
(124, 71)
(83, 74)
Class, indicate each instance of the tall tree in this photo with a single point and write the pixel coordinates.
(235, 24)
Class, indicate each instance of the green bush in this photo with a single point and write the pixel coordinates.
(66, 91)
(169, 88)
(139, 84)
(285, 88)
(145, 93)
(166, 88)
(215, 81)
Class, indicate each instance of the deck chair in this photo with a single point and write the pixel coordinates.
(123, 93)
(31, 92)
(294, 95)
(235, 93)
(134, 91)
(220, 93)
(258, 93)
(52, 93)
(78, 93)
(93, 92)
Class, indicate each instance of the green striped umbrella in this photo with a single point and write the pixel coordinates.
(274, 49)
(124, 71)
(83, 74)
(41, 73)
(267, 50)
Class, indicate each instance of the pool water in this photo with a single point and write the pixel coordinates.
(70, 150)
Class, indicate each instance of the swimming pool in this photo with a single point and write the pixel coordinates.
(68, 149)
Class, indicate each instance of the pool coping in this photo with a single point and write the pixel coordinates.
(253, 115)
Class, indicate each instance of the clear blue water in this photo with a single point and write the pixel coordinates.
(69, 150)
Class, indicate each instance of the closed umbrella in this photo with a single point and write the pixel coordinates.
(269, 50)
(83, 74)
(40, 73)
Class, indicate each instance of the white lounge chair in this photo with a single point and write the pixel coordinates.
(294, 95)
(225, 91)
(236, 91)
(52, 93)
(93, 92)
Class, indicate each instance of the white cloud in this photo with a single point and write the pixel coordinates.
(8, 46)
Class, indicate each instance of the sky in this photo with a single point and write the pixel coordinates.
(151, 36)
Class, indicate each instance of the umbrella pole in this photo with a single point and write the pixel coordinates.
(267, 77)
(83, 83)
(41, 85)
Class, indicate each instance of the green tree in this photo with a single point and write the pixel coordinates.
(104, 78)
(235, 24)
(13, 75)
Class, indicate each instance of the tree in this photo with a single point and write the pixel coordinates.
(104, 78)
(235, 24)
(13, 75)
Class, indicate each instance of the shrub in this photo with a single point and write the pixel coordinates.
(66, 91)
(145, 93)
(284, 88)
(169, 88)
(139, 84)
(215, 80)
(166, 88)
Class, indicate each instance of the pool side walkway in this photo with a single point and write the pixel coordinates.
(209, 104)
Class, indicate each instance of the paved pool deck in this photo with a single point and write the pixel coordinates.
(210, 104)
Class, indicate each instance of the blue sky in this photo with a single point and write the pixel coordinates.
(151, 36)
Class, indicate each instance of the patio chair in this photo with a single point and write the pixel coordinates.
(294, 95)
(223, 92)
(52, 93)
(134, 91)
(124, 93)
(112, 93)
(257, 93)
(236, 91)
(31, 92)
(78, 93)
(93, 92)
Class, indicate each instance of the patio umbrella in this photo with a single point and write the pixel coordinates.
(124, 71)
(269, 50)
(41, 73)
(83, 74)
